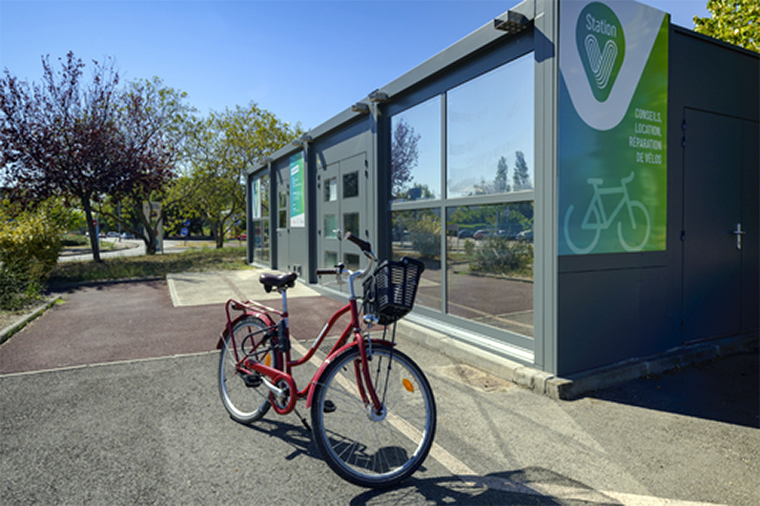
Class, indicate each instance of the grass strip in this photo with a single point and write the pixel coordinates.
(195, 260)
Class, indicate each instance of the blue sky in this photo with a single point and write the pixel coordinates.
(305, 61)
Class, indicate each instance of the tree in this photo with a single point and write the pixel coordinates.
(521, 177)
(222, 147)
(75, 140)
(734, 21)
(502, 170)
(404, 156)
(160, 118)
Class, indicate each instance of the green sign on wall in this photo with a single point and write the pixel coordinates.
(297, 191)
(613, 59)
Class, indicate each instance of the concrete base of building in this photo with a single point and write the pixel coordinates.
(575, 386)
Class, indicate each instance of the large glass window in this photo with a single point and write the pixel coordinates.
(417, 234)
(282, 202)
(260, 218)
(489, 132)
(475, 232)
(489, 264)
(416, 152)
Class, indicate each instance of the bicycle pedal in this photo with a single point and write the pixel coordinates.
(252, 380)
(329, 406)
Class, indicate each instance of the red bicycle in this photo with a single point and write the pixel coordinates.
(373, 415)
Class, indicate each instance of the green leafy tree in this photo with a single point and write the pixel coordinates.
(221, 148)
(160, 116)
(734, 21)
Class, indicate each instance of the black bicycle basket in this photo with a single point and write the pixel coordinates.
(389, 293)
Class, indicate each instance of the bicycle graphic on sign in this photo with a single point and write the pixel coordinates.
(633, 226)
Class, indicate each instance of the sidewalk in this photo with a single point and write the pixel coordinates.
(126, 411)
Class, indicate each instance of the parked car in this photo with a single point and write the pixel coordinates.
(486, 233)
(113, 235)
(243, 236)
(525, 235)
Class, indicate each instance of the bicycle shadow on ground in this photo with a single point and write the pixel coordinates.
(532, 485)
(293, 434)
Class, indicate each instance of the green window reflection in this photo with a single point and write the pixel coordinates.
(489, 265)
(417, 234)
(351, 224)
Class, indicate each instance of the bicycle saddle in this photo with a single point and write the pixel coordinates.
(273, 281)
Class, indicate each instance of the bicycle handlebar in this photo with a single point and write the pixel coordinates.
(366, 248)
(363, 245)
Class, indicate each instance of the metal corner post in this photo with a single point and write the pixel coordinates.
(546, 265)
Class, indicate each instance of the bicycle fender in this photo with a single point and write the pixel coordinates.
(327, 362)
(264, 317)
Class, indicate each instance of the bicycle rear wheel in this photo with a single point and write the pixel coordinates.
(244, 396)
(366, 449)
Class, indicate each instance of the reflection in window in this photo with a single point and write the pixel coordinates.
(351, 261)
(261, 240)
(331, 190)
(416, 152)
(489, 128)
(489, 265)
(331, 259)
(417, 234)
(351, 185)
(331, 226)
(351, 223)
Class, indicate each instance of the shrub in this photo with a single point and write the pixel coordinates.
(29, 246)
(425, 235)
(500, 255)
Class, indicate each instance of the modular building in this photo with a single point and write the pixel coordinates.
(579, 177)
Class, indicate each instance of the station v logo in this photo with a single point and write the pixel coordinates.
(601, 45)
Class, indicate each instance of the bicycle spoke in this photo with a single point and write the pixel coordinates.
(365, 447)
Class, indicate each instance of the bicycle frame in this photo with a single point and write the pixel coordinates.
(597, 203)
(281, 382)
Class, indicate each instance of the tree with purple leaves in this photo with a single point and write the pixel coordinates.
(79, 140)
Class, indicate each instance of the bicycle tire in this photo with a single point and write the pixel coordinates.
(594, 236)
(366, 452)
(246, 402)
(637, 244)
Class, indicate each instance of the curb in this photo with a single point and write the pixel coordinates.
(9, 331)
(671, 360)
(574, 387)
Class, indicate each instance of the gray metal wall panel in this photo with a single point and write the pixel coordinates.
(618, 307)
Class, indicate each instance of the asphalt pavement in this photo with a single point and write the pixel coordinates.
(111, 397)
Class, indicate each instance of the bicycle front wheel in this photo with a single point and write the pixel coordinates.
(244, 395)
(363, 447)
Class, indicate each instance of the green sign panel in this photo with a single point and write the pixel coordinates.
(612, 127)
(297, 191)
